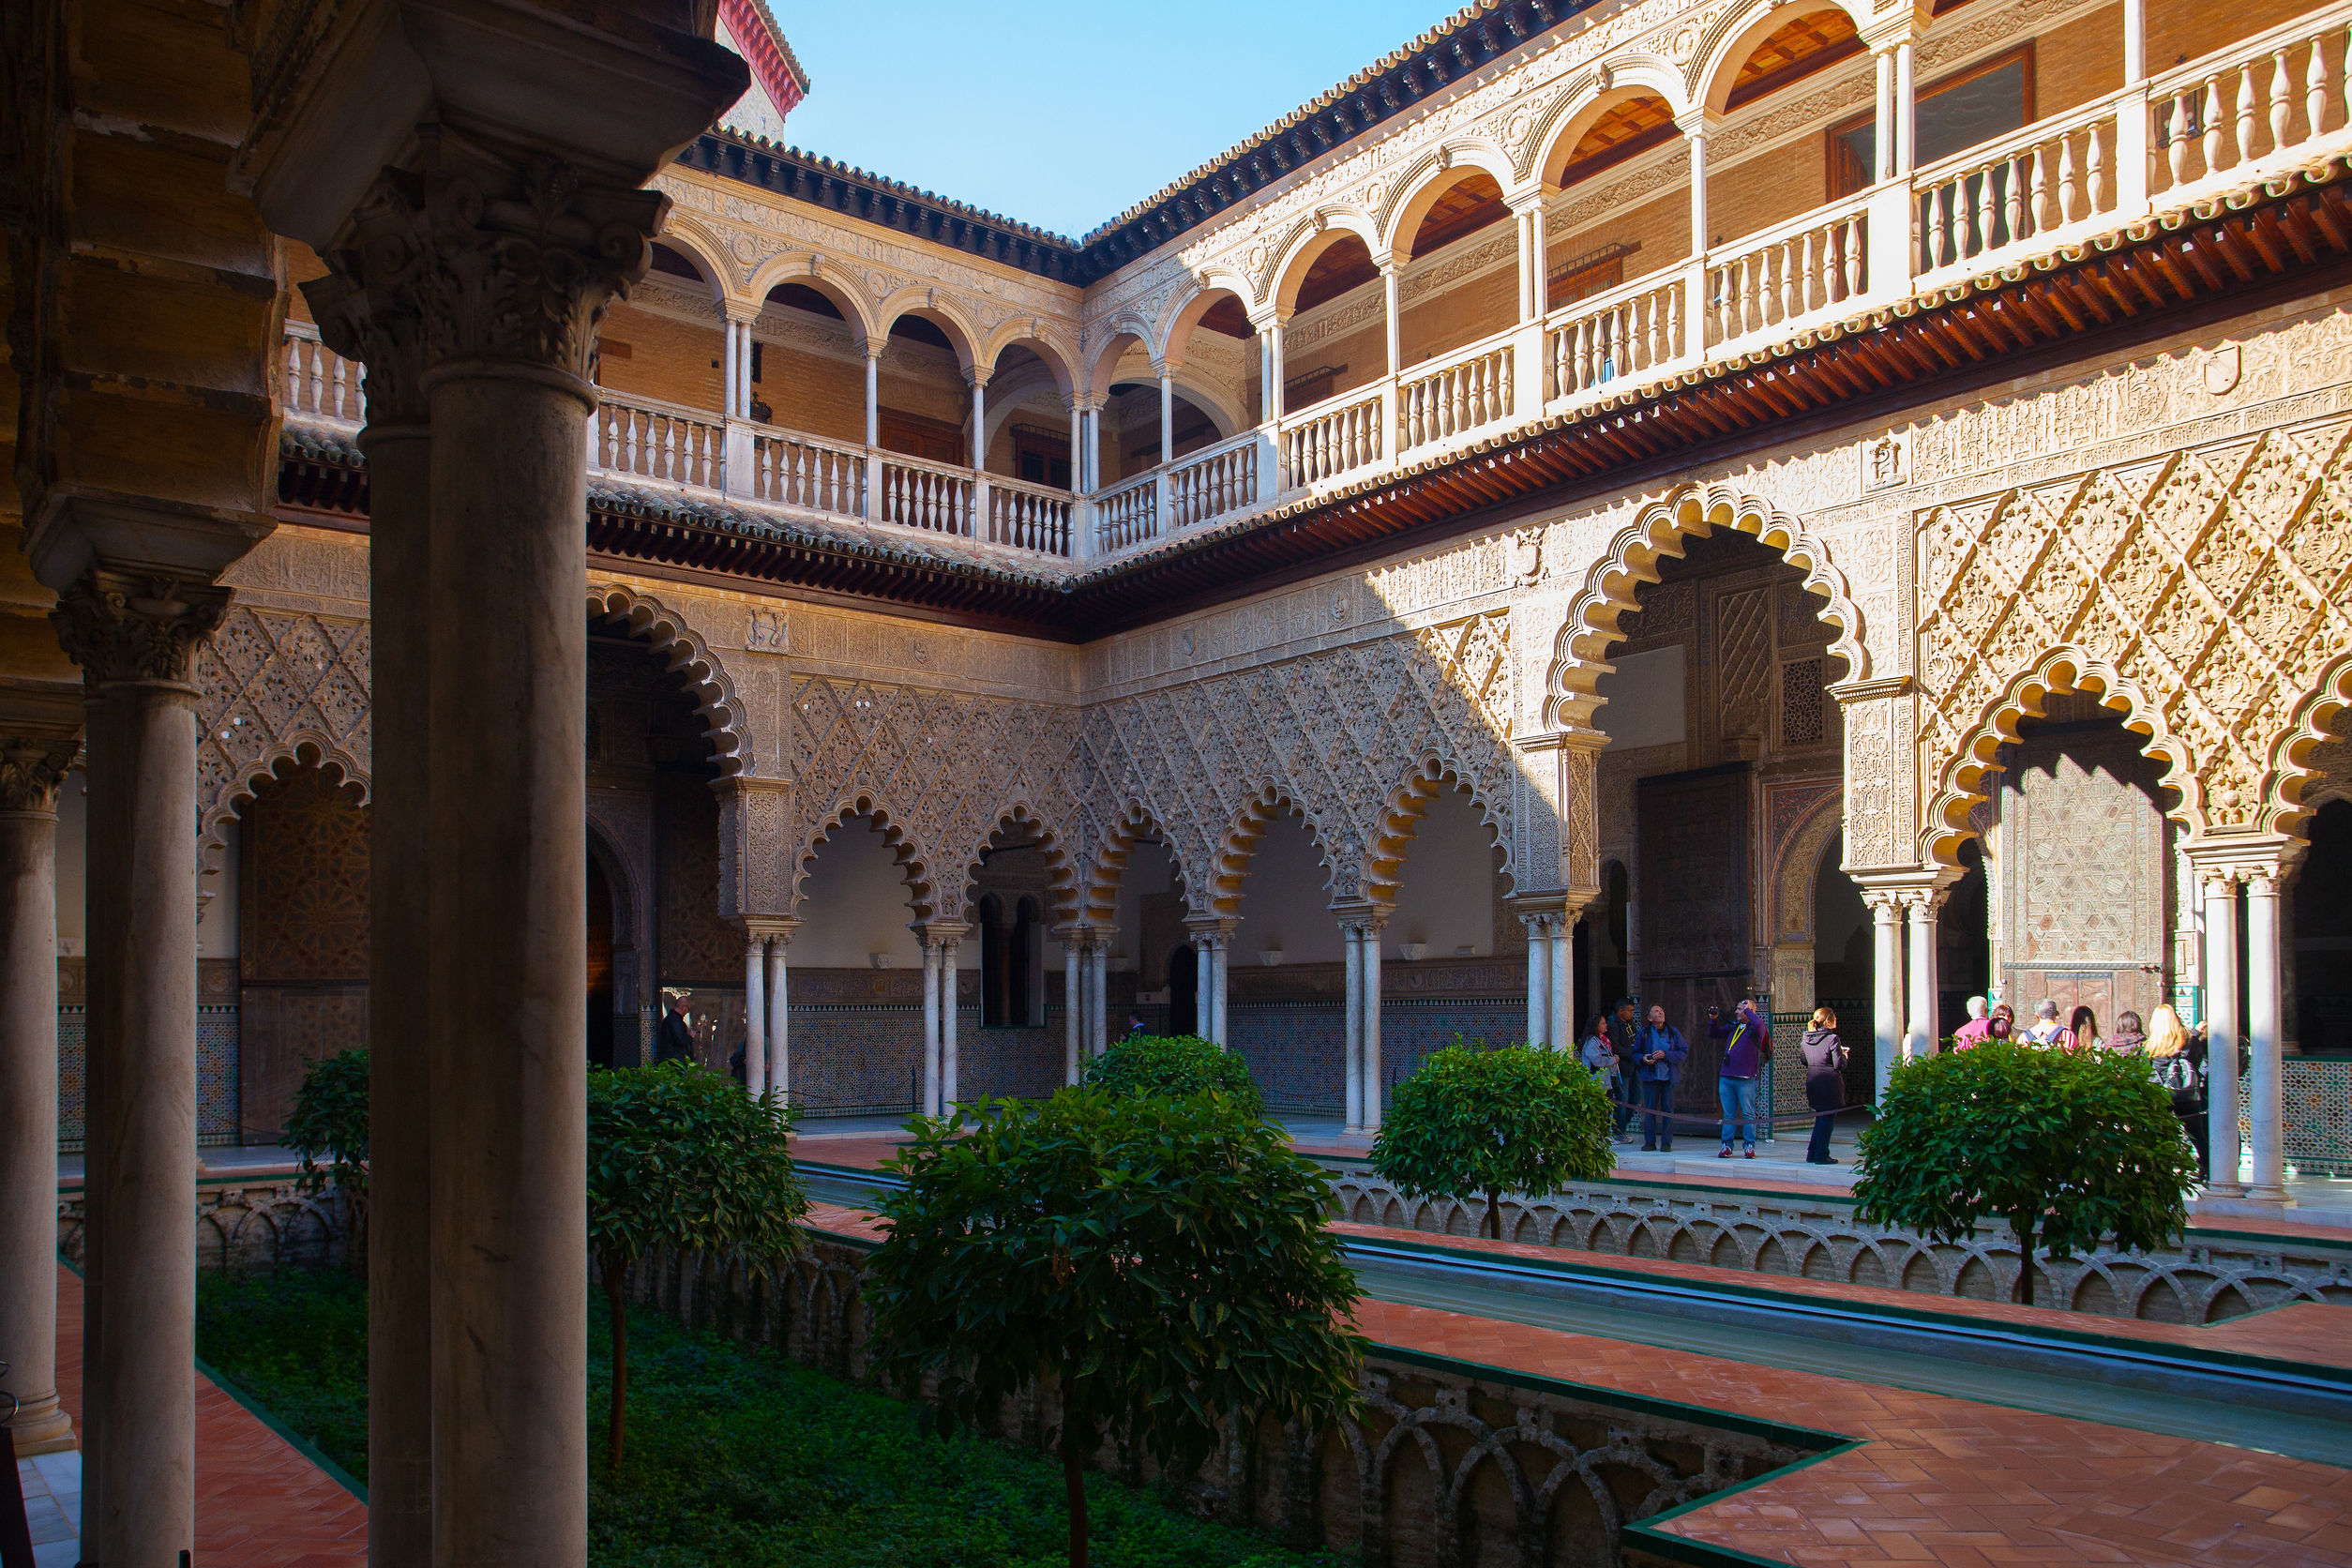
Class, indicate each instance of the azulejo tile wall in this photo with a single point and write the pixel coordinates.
(1295, 1049)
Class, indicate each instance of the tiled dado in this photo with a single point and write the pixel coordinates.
(2213, 1276)
(1294, 1048)
(217, 1113)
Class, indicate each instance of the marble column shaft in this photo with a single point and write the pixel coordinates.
(930, 1024)
(779, 1020)
(1352, 1034)
(1890, 1029)
(28, 1094)
(2264, 1047)
(2222, 1025)
(755, 1015)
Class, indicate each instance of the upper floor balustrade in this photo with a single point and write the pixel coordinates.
(1901, 230)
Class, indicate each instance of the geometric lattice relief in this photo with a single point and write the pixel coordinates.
(305, 887)
(268, 682)
(2210, 584)
(2083, 850)
(1337, 732)
(1801, 703)
(1743, 650)
(944, 768)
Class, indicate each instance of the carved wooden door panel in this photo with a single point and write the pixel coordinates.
(1692, 829)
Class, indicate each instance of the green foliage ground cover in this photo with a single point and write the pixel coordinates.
(737, 1457)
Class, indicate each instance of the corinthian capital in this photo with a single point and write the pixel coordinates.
(470, 255)
(30, 769)
(121, 626)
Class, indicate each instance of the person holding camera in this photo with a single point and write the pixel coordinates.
(1747, 1046)
(1659, 1052)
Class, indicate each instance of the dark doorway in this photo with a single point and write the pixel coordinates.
(1183, 992)
(2322, 937)
(599, 967)
(1692, 829)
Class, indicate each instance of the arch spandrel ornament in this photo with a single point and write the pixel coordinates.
(1325, 732)
(905, 751)
(277, 687)
(2201, 594)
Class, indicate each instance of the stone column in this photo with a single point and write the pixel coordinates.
(1371, 1010)
(1077, 445)
(755, 1014)
(931, 1021)
(519, 261)
(1273, 382)
(378, 322)
(1883, 120)
(1222, 983)
(2221, 1032)
(136, 638)
(779, 1017)
(1204, 975)
(1905, 110)
(32, 767)
(1562, 1010)
(1098, 1005)
(1072, 959)
(2263, 1044)
(1695, 135)
(1886, 965)
(1351, 1029)
(872, 508)
(1539, 971)
(1168, 417)
(950, 947)
(1920, 1033)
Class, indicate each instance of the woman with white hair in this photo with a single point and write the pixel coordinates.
(1978, 1028)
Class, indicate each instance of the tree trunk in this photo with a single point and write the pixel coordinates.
(1074, 1484)
(2025, 1267)
(616, 1279)
(1494, 1212)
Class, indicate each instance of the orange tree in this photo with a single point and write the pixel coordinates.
(2070, 1146)
(1514, 1119)
(681, 1157)
(1161, 1260)
(330, 1118)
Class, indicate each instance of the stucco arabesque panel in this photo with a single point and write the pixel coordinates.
(277, 685)
(1343, 733)
(2193, 570)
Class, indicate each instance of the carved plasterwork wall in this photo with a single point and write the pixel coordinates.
(2201, 592)
(1350, 735)
(939, 770)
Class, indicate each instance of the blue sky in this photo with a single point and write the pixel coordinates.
(1063, 114)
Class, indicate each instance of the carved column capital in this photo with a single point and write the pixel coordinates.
(469, 257)
(128, 627)
(32, 769)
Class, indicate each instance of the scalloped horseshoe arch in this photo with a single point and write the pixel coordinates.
(903, 849)
(1061, 874)
(1580, 655)
(1400, 823)
(304, 748)
(1132, 826)
(1269, 803)
(690, 658)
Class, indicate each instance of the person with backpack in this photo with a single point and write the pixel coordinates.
(2174, 1056)
(1747, 1046)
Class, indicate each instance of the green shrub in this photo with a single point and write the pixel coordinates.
(1163, 1260)
(1175, 1064)
(2070, 1146)
(1514, 1119)
(681, 1157)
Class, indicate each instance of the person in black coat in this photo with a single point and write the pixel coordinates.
(1825, 1081)
(672, 1040)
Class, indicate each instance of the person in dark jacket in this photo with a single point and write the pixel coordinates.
(1624, 1031)
(672, 1040)
(1659, 1052)
(1825, 1081)
(1747, 1045)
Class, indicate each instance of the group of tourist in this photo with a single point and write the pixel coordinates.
(1638, 1061)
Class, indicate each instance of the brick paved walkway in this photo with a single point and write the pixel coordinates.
(1936, 1481)
(259, 1502)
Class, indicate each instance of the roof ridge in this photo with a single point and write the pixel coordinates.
(895, 186)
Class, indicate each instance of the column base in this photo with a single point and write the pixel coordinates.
(2251, 1203)
(42, 1427)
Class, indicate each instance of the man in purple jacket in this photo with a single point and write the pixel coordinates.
(1748, 1044)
